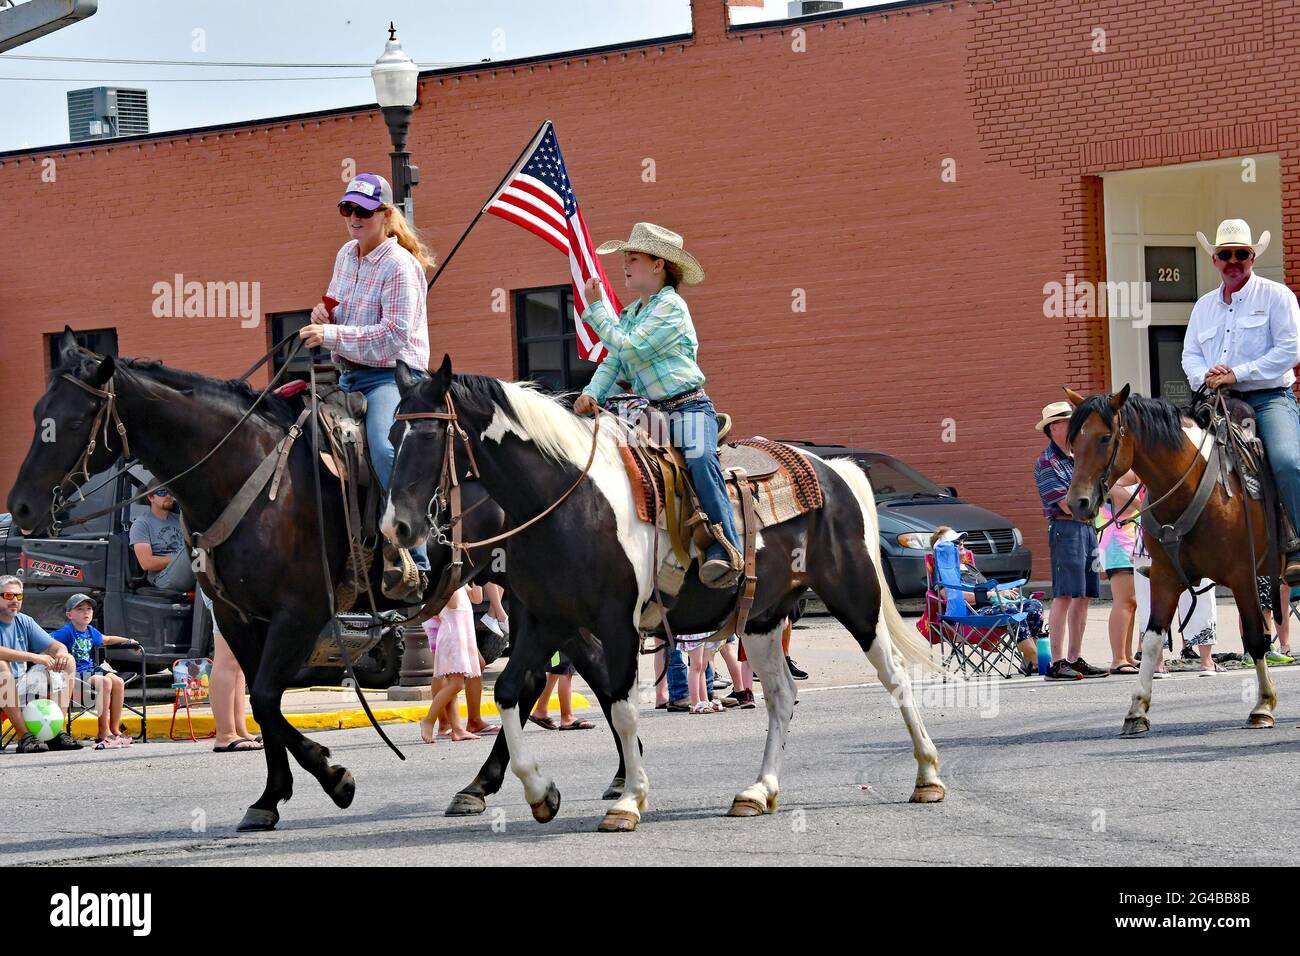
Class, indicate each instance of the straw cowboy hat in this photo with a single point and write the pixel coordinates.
(1235, 232)
(662, 244)
(1055, 412)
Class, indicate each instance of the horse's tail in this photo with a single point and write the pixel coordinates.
(908, 646)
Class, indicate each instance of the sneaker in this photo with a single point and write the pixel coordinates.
(64, 741)
(1087, 670)
(30, 745)
(795, 672)
(744, 699)
(1276, 657)
(493, 625)
(720, 682)
(1062, 670)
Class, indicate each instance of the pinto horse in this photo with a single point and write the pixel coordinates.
(587, 565)
(270, 565)
(1111, 434)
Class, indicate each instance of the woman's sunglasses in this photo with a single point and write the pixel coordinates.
(352, 209)
(1227, 255)
(12, 595)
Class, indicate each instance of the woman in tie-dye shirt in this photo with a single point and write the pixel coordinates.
(1115, 553)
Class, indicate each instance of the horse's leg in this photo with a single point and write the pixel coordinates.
(765, 657)
(1164, 605)
(620, 646)
(588, 658)
(528, 655)
(1257, 642)
(287, 646)
(472, 799)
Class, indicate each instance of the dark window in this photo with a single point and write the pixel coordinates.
(548, 340)
(283, 323)
(102, 341)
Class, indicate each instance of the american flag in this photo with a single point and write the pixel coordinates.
(538, 195)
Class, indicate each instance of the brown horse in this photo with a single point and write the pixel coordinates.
(1111, 434)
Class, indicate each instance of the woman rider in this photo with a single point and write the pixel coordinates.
(652, 345)
(380, 286)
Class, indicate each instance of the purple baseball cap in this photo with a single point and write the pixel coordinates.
(368, 191)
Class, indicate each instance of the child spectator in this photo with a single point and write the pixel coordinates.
(455, 659)
(81, 638)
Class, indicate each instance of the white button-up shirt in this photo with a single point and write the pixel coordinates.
(1257, 335)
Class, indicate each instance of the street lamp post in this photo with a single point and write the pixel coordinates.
(396, 83)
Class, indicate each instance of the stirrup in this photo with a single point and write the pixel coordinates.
(401, 576)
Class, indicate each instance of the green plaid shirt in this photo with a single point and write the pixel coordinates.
(651, 348)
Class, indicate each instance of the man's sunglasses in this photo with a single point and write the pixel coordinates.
(12, 595)
(352, 209)
(1227, 255)
(161, 492)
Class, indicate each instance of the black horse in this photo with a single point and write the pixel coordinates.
(270, 565)
(588, 565)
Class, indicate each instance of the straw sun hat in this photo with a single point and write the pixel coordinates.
(662, 244)
(1235, 232)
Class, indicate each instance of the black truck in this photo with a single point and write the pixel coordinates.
(96, 558)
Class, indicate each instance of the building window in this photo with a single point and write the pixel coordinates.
(283, 323)
(548, 340)
(101, 341)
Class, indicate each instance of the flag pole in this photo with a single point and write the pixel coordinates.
(514, 168)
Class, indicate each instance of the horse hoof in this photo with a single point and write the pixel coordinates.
(1135, 727)
(257, 819)
(466, 805)
(619, 821)
(614, 790)
(928, 793)
(344, 787)
(746, 807)
(1260, 722)
(544, 810)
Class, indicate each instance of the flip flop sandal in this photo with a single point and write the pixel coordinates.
(577, 725)
(1124, 669)
(545, 723)
(234, 746)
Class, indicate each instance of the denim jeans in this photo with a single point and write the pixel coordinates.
(695, 432)
(678, 685)
(379, 385)
(1277, 416)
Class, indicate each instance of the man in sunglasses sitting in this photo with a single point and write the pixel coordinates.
(1245, 336)
(159, 545)
(32, 664)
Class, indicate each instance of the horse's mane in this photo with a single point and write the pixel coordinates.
(1153, 422)
(556, 431)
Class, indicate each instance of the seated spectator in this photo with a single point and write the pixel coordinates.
(38, 666)
(159, 545)
(81, 638)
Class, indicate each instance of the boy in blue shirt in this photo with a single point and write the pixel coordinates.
(81, 638)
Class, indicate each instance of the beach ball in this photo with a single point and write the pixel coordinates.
(43, 718)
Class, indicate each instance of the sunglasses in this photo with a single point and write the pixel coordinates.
(352, 209)
(1227, 255)
(12, 595)
(161, 493)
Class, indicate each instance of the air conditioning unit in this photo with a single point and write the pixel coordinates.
(806, 8)
(105, 112)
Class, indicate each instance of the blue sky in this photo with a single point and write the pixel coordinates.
(34, 112)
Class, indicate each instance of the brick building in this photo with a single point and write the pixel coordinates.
(912, 176)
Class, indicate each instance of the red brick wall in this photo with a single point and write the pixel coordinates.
(816, 170)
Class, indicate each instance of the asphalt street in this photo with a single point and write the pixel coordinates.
(1036, 773)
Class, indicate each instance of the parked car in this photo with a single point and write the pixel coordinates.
(97, 558)
(911, 506)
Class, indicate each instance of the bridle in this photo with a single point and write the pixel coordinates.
(448, 492)
(80, 470)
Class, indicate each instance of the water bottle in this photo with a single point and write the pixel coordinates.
(1044, 655)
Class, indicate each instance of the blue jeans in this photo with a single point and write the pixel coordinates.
(1277, 416)
(695, 432)
(678, 686)
(379, 385)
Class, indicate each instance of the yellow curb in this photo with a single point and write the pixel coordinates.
(86, 726)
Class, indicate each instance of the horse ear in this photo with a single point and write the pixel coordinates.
(442, 377)
(102, 372)
(1075, 398)
(1119, 398)
(67, 346)
(402, 375)
(445, 368)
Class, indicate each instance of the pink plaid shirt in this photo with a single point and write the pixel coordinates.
(381, 315)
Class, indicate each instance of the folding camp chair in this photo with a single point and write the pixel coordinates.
(83, 696)
(978, 644)
(190, 679)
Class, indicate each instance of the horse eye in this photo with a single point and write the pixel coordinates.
(1105, 439)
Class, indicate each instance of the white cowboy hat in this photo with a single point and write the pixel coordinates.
(1055, 412)
(662, 244)
(1235, 232)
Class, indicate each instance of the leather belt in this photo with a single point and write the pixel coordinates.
(679, 399)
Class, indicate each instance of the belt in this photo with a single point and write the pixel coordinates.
(347, 365)
(679, 399)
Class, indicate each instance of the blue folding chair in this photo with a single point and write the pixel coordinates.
(978, 644)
